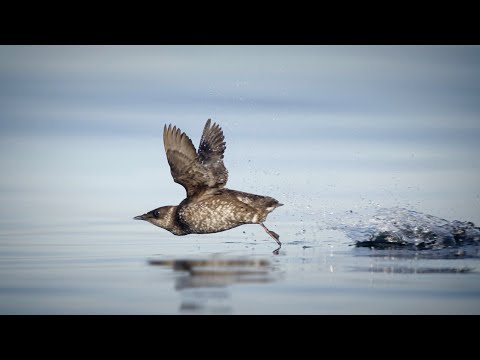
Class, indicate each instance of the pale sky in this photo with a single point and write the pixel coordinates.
(323, 127)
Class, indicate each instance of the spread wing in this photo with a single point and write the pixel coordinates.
(191, 170)
(210, 153)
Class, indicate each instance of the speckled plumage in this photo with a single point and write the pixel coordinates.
(209, 207)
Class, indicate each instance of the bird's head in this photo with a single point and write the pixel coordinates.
(157, 216)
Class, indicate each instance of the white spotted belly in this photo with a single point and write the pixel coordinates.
(213, 215)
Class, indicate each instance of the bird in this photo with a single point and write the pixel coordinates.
(209, 207)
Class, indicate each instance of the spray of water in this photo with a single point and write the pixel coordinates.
(406, 229)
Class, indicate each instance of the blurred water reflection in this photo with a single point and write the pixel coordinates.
(204, 282)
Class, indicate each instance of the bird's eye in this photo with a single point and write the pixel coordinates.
(155, 213)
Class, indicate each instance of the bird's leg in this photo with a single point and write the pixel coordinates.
(273, 234)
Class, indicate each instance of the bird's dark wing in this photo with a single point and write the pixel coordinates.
(210, 153)
(186, 166)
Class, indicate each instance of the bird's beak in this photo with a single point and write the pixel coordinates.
(140, 217)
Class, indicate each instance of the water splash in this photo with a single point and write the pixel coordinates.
(399, 228)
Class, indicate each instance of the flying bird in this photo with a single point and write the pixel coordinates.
(209, 206)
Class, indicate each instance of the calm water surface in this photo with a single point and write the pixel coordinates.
(126, 269)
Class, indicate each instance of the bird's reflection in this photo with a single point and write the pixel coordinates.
(204, 282)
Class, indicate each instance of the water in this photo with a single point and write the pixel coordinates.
(373, 151)
(399, 228)
(126, 269)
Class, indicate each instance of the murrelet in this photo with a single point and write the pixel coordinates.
(209, 207)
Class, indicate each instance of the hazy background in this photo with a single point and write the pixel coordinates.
(323, 129)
